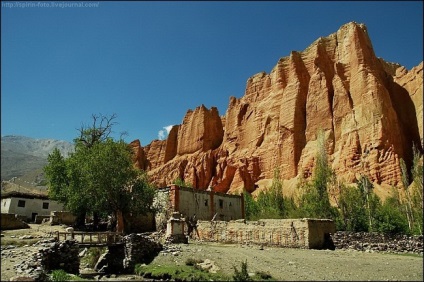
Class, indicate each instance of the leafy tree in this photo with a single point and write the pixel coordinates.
(417, 191)
(181, 183)
(407, 202)
(314, 201)
(390, 218)
(250, 207)
(99, 177)
(352, 208)
(271, 201)
(369, 200)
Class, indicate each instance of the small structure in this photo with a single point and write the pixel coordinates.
(28, 205)
(206, 205)
(175, 231)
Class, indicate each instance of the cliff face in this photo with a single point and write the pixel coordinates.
(370, 111)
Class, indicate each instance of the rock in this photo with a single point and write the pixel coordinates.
(83, 252)
(208, 265)
(369, 110)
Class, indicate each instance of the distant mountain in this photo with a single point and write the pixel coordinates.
(25, 156)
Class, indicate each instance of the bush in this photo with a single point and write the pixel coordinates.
(59, 275)
(261, 275)
(243, 274)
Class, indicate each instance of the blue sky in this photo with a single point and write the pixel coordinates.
(149, 62)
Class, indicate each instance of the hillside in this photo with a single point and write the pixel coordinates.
(24, 157)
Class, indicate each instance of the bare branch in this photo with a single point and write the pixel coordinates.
(100, 130)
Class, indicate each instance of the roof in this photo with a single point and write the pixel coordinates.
(16, 194)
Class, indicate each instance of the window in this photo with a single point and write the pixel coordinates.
(206, 203)
(46, 206)
(221, 203)
(21, 203)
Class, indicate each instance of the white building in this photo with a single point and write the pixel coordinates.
(28, 205)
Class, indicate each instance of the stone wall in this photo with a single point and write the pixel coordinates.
(62, 217)
(12, 221)
(51, 255)
(139, 248)
(377, 242)
(293, 233)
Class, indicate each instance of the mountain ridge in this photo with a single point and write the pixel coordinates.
(21, 155)
(369, 110)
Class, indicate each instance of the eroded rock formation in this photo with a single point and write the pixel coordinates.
(369, 110)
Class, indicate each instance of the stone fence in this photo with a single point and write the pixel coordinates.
(377, 242)
(50, 256)
(139, 248)
(293, 233)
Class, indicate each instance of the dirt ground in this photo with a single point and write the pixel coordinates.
(281, 263)
(299, 265)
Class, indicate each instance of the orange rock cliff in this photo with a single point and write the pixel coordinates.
(370, 111)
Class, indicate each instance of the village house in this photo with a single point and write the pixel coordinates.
(28, 205)
(206, 205)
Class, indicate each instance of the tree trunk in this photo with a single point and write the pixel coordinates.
(80, 220)
(119, 221)
(96, 220)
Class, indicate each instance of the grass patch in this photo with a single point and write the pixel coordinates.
(177, 273)
(190, 272)
(61, 275)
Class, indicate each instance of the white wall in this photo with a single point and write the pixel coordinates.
(5, 205)
(10, 205)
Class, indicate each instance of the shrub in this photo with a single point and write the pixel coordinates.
(243, 274)
(59, 275)
(261, 275)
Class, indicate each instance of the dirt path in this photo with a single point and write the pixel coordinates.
(14, 256)
(281, 263)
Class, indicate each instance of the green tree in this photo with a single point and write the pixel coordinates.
(271, 201)
(251, 209)
(407, 202)
(417, 191)
(389, 217)
(314, 201)
(181, 183)
(369, 200)
(352, 208)
(99, 177)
